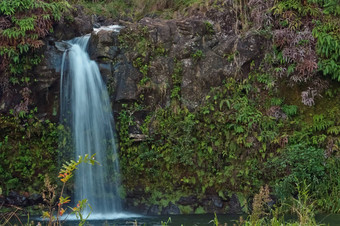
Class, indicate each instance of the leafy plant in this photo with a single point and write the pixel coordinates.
(65, 174)
(197, 55)
(305, 163)
(23, 24)
(33, 156)
(209, 27)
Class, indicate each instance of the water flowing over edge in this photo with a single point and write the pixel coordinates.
(86, 109)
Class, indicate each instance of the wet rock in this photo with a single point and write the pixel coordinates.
(234, 205)
(62, 46)
(199, 77)
(103, 45)
(46, 81)
(156, 93)
(48, 71)
(223, 16)
(105, 70)
(189, 200)
(96, 25)
(154, 210)
(14, 199)
(217, 201)
(35, 199)
(171, 209)
(127, 79)
(212, 204)
(139, 209)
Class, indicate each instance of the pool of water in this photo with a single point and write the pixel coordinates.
(185, 220)
(174, 220)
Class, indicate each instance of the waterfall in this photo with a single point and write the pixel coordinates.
(86, 109)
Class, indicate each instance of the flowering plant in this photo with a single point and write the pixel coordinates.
(65, 175)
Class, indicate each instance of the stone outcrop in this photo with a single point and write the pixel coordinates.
(207, 58)
(73, 24)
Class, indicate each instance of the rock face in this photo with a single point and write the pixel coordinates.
(206, 57)
(74, 24)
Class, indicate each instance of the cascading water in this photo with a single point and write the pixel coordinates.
(86, 109)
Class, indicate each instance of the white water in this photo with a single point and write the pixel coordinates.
(86, 109)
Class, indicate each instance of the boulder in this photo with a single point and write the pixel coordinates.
(62, 46)
(103, 45)
(35, 199)
(212, 204)
(171, 209)
(188, 200)
(235, 205)
(154, 210)
(15, 199)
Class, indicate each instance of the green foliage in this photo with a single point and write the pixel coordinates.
(276, 101)
(209, 27)
(200, 210)
(197, 55)
(24, 24)
(167, 222)
(323, 16)
(230, 143)
(328, 46)
(180, 140)
(305, 163)
(320, 123)
(290, 110)
(176, 81)
(28, 151)
(302, 207)
(143, 68)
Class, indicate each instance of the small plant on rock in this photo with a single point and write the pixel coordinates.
(197, 55)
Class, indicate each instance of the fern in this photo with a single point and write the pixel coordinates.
(25, 22)
(276, 101)
(320, 123)
(334, 130)
(290, 110)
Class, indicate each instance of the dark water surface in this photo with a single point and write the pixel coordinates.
(187, 220)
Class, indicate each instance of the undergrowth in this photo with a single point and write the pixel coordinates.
(136, 9)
